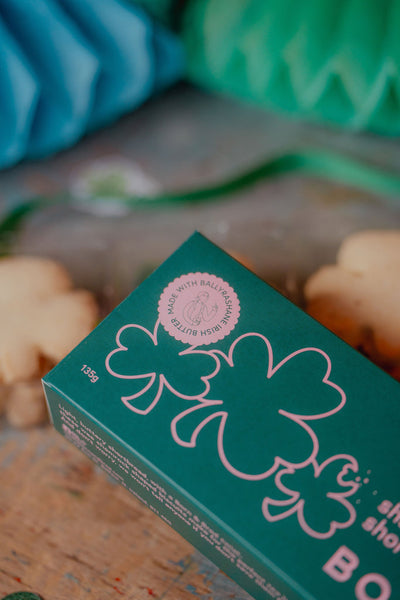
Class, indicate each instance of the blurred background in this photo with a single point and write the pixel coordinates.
(105, 101)
(270, 126)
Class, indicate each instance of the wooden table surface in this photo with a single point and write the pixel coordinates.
(66, 530)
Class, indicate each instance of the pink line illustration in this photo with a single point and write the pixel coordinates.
(301, 420)
(297, 503)
(202, 401)
(271, 370)
(152, 376)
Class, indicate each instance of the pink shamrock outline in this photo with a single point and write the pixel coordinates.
(152, 376)
(223, 414)
(297, 503)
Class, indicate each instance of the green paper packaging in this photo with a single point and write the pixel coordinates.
(257, 434)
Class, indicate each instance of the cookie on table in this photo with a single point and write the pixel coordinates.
(358, 298)
(42, 317)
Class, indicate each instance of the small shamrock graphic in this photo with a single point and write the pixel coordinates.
(264, 410)
(154, 360)
(318, 496)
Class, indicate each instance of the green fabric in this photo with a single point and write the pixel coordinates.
(326, 61)
(161, 9)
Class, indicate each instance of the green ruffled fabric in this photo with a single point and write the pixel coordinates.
(331, 61)
(162, 10)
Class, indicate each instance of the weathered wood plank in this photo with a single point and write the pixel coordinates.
(67, 531)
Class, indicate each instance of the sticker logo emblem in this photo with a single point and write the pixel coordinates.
(199, 308)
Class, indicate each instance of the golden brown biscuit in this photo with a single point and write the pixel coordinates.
(41, 316)
(26, 406)
(41, 319)
(359, 297)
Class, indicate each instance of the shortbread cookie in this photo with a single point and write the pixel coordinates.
(26, 405)
(359, 297)
(41, 317)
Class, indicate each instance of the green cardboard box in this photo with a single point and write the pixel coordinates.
(262, 438)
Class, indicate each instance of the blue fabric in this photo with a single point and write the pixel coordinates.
(69, 66)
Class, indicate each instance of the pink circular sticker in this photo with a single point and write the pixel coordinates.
(198, 308)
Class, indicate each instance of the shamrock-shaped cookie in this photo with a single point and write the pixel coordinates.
(41, 316)
(358, 298)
